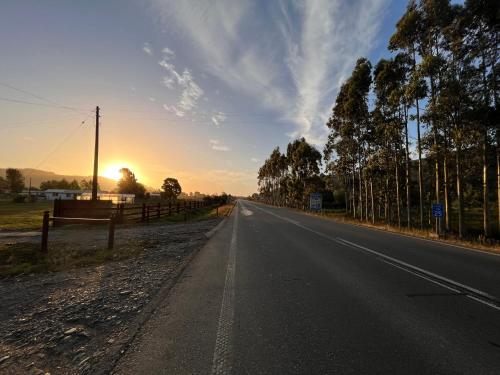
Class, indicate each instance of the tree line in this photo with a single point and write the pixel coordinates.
(441, 87)
(14, 183)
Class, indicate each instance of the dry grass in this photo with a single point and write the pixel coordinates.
(22, 216)
(26, 258)
(488, 246)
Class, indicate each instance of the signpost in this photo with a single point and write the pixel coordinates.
(437, 210)
(315, 201)
(438, 213)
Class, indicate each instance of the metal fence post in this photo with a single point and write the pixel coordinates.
(45, 231)
(111, 231)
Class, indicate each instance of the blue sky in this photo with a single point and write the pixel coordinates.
(199, 90)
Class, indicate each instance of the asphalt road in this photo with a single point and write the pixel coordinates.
(276, 291)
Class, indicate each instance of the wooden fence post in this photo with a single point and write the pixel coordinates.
(45, 231)
(169, 208)
(111, 231)
(147, 214)
(185, 211)
(143, 215)
(158, 210)
(178, 207)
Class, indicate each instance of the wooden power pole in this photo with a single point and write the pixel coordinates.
(96, 155)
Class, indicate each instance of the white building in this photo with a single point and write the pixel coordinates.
(116, 198)
(64, 194)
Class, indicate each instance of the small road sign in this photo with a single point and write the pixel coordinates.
(315, 201)
(437, 210)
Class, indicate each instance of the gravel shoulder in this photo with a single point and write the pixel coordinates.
(80, 321)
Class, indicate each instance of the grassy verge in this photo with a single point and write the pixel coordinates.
(26, 257)
(22, 216)
(201, 214)
(492, 246)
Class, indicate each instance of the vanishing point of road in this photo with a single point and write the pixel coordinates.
(277, 291)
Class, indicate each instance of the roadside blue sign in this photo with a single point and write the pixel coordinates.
(437, 210)
(315, 201)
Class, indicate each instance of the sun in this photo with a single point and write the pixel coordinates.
(112, 171)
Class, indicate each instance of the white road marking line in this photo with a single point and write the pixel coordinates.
(425, 272)
(402, 265)
(223, 353)
(423, 277)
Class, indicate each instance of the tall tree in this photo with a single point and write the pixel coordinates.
(128, 184)
(408, 29)
(15, 180)
(171, 188)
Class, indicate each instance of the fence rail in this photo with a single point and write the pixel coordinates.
(122, 213)
(75, 220)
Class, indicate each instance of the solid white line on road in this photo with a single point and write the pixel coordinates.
(430, 276)
(223, 352)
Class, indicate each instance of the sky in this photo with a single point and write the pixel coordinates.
(197, 90)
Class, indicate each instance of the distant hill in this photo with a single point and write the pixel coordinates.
(38, 176)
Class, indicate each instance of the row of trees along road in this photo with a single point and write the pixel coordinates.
(442, 82)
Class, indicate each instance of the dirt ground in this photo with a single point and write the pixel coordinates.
(79, 321)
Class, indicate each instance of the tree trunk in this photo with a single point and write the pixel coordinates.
(446, 187)
(353, 193)
(420, 173)
(419, 148)
(360, 202)
(366, 199)
(458, 157)
(371, 196)
(407, 173)
(486, 213)
(398, 207)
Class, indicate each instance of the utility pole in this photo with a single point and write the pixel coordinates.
(96, 155)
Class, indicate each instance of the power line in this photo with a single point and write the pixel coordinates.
(64, 140)
(22, 124)
(29, 93)
(43, 105)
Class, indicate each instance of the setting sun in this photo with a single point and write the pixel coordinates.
(113, 171)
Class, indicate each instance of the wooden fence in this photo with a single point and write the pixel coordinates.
(122, 213)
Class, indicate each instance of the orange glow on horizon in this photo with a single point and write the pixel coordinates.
(112, 170)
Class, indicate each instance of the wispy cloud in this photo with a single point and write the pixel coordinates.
(147, 49)
(254, 160)
(293, 65)
(218, 118)
(191, 92)
(217, 145)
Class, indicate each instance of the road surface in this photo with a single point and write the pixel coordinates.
(276, 291)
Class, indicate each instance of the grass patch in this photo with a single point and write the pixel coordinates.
(22, 216)
(27, 258)
(487, 245)
(201, 214)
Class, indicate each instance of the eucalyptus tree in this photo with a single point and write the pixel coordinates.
(304, 161)
(454, 99)
(405, 39)
(435, 17)
(388, 122)
(349, 124)
(481, 41)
